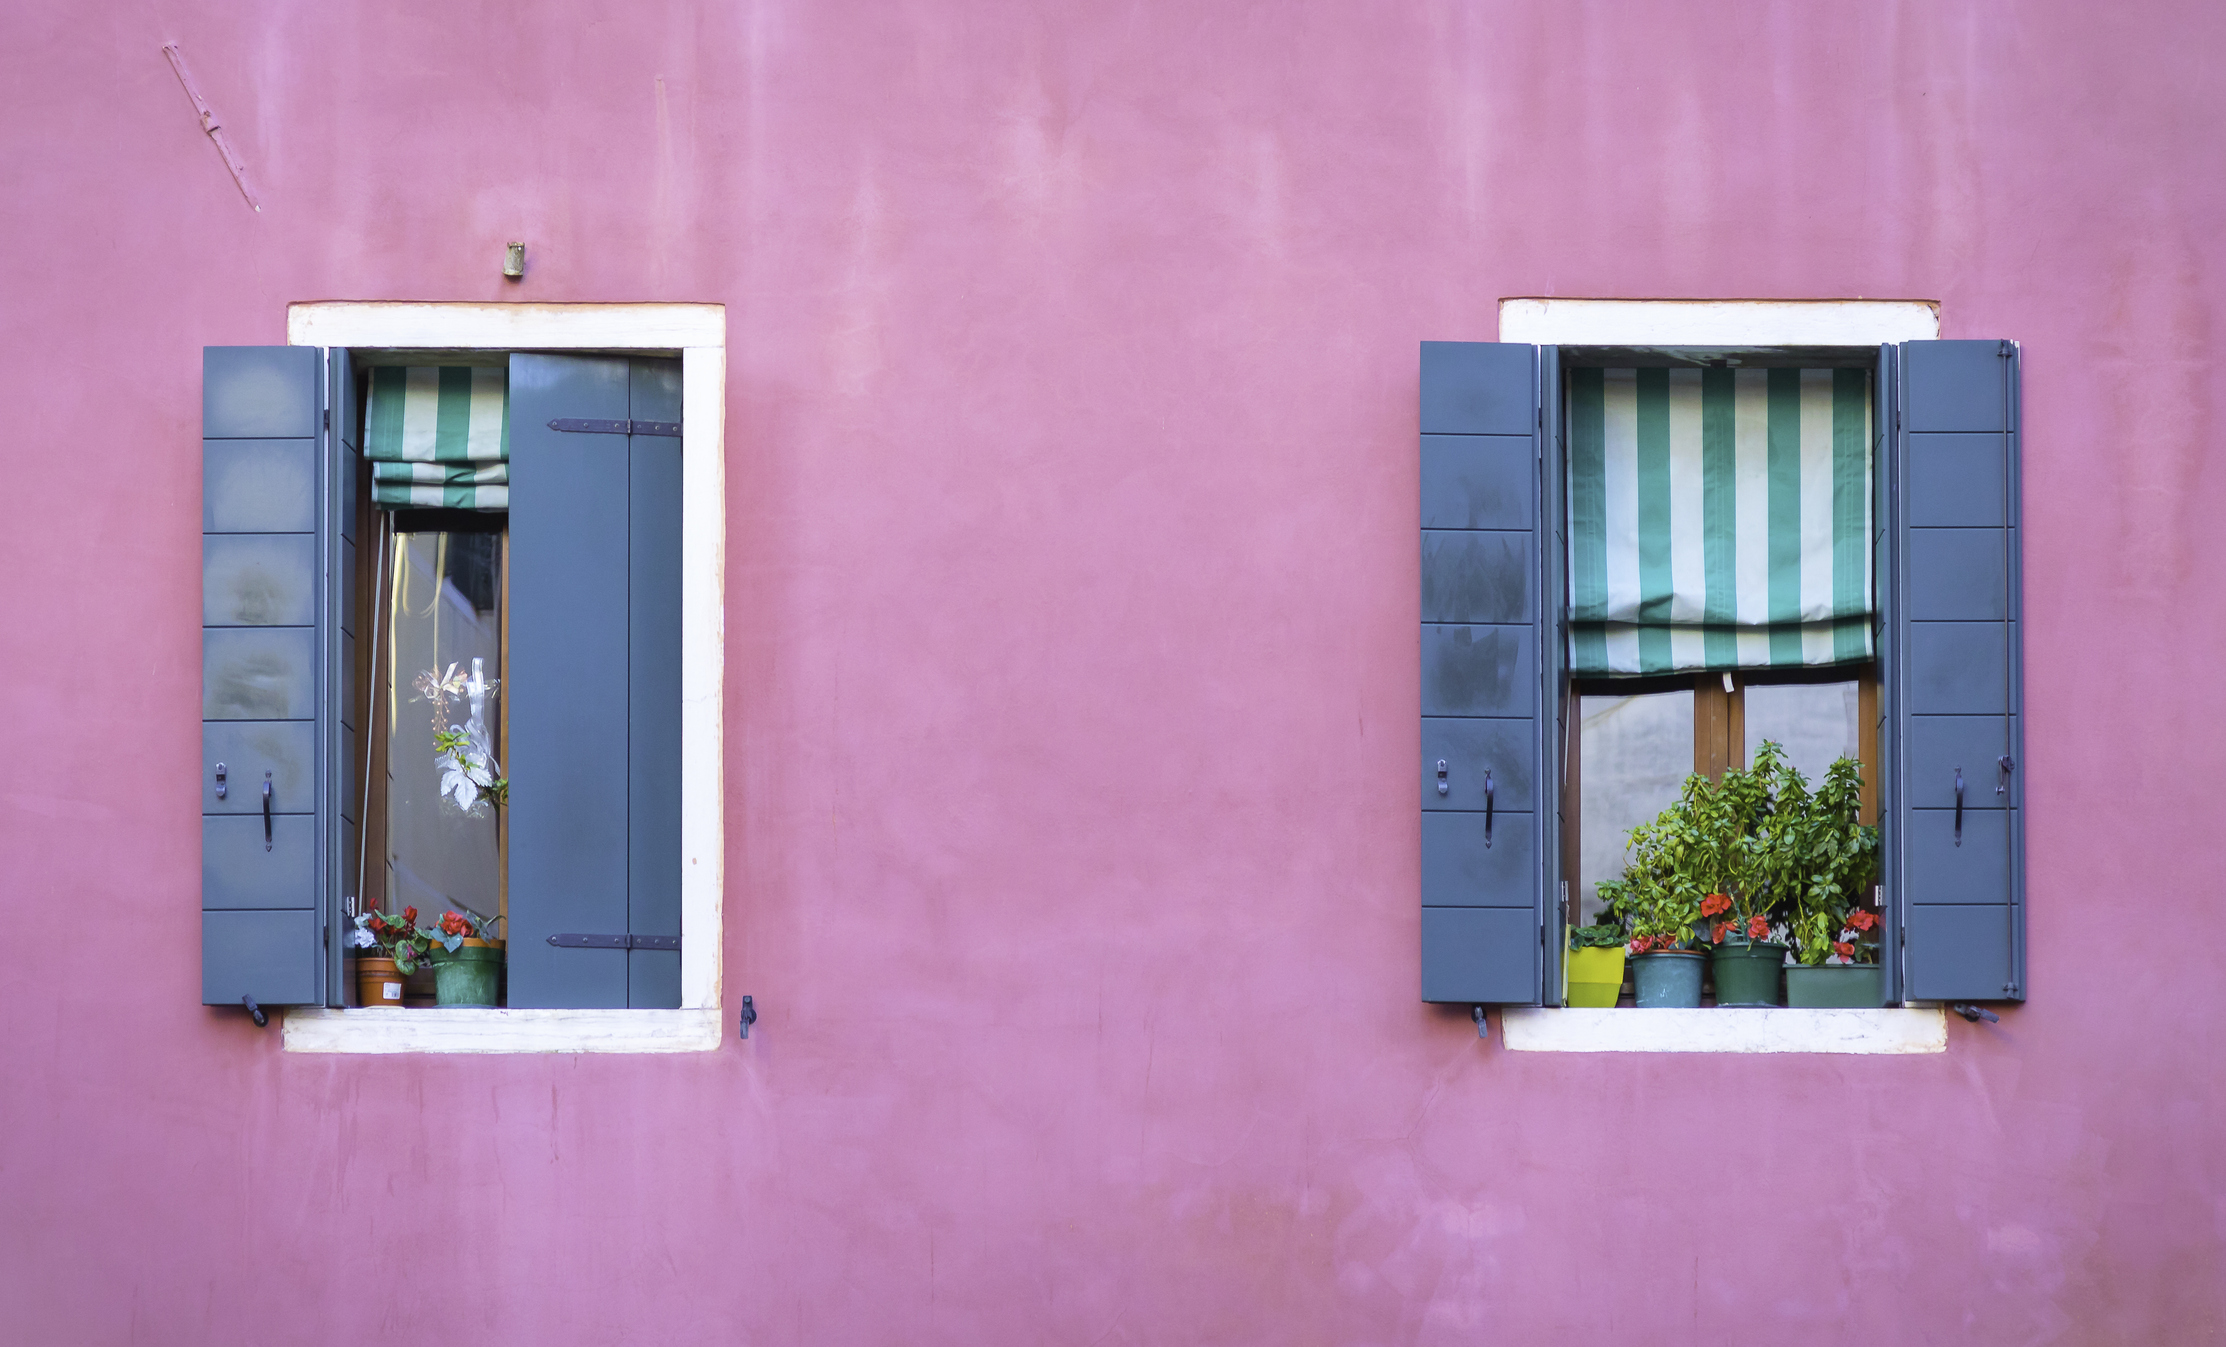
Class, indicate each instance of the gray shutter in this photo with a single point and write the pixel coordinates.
(1490, 661)
(593, 681)
(1956, 674)
(269, 694)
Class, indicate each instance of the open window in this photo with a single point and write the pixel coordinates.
(431, 573)
(1639, 562)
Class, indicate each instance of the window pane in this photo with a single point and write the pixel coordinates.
(1816, 722)
(445, 612)
(1636, 752)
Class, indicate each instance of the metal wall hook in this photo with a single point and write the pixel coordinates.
(1959, 806)
(749, 1015)
(261, 1019)
(1975, 1013)
(1477, 1013)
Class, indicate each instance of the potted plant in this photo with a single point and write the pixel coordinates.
(401, 951)
(1594, 968)
(1658, 902)
(1830, 863)
(467, 959)
(1737, 824)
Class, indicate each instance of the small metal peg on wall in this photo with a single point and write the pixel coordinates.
(514, 261)
(749, 1015)
(1482, 1025)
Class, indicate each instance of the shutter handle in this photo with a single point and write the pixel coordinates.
(220, 788)
(1443, 788)
(261, 1019)
(1959, 806)
(2007, 765)
(266, 811)
(1487, 809)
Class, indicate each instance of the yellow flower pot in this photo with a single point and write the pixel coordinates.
(1594, 976)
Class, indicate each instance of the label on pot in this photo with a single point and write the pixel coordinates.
(392, 991)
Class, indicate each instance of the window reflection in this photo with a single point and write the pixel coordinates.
(444, 612)
(1636, 753)
(1815, 722)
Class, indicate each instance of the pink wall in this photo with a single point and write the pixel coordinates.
(1071, 671)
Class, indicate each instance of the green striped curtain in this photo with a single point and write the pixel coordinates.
(1718, 519)
(439, 437)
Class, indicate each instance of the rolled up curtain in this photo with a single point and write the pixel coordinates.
(1718, 519)
(438, 436)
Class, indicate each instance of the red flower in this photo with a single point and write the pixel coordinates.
(378, 924)
(1642, 944)
(1757, 927)
(409, 916)
(1714, 903)
(1843, 949)
(1716, 931)
(1861, 920)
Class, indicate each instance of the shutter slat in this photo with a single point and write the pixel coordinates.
(1954, 674)
(1489, 624)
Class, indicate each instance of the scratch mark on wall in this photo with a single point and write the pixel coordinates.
(212, 124)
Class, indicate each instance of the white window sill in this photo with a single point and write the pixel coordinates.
(472, 1029)
(1563, 1029)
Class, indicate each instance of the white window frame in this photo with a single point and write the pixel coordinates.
(697, 333)
(1889, 1030)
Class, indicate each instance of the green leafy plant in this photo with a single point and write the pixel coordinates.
(1607, 935)
(394, 937)
(1823, 859)
(1744, 856)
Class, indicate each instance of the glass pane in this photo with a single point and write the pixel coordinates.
(1816, 722)
(1636, 752)
(444, 670)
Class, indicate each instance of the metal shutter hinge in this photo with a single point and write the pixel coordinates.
(588, 426)
(575, 940)
(1975, 1013)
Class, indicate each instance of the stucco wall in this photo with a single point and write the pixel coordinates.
(1072, 681)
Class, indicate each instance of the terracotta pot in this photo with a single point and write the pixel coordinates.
(378, 982)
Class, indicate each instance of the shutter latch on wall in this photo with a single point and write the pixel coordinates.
(588, 426)
(575, 940)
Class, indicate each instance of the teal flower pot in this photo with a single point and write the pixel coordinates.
(469, 976)
(1748, 973)
(1667, 979)
(1853, 986)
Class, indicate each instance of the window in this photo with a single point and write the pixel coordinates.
(604, 566)
(1506, 697)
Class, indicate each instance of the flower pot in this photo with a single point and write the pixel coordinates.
(1748, 972)
(378, 982)
(468, 975)
(1835, 986)
(1595, 976)
(1668, 979)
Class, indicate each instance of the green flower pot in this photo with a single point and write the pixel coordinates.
(1667, 979)
(469, 976)
(1748, 973)
(1851, 986)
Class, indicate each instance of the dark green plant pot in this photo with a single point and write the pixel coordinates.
(1668, 979)
(1748, 973)
(1835, 987)
(468, 977)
